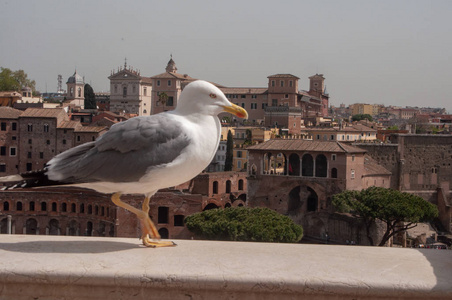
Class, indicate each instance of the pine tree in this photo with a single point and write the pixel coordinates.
(229, 152)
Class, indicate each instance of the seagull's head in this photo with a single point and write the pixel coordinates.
(205, 98)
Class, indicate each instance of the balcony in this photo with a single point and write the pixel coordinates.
(62, 267)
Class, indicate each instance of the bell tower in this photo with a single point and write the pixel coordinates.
(76, 90)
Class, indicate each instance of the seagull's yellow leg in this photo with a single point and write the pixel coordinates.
(146, 223)
(149, 229)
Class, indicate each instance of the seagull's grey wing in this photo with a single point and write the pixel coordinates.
(125, 153)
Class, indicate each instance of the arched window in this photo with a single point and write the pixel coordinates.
(228, 186)
(90, 209)
(73, 207)
(240, 184)
(43, 206)
(124, 91)
(82, 208)
(321, 166)
(5, 206)
(294, 165)
(79, 92)
(54, 206)
(31, 206)
(307, 165)
(215, 187)
(63, 207)
(333, 173)
(96, 210)
(19, 206)
(164, 234)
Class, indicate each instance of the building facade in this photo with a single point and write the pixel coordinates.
(130, 93)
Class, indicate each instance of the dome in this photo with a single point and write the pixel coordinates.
(77, 79)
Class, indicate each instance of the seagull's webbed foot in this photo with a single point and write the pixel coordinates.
(147, 227)
(150, 236)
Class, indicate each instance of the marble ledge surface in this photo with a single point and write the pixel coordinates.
(61, 267)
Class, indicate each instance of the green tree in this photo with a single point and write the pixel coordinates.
(359, 117)
(244, 224)
(163, 97)
(15, 80)
(249, 138)
(399, 211)
(90, 97)
(395, 127)
(229, 152)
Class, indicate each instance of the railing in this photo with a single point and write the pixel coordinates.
(62, 267)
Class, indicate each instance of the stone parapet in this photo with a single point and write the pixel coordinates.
(62, 267)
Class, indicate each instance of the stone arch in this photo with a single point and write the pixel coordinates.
(89, 228)
(227, 205)
(267, 168)
(253, 169)
(312, 200)
(294, 202)
(210, 206)
(294, 165)
(307, 165)
(164, 233)
(31, 226)
(54, 227)
(102, 226)
(4, 226)
(321, 166)
(73, 228)
(333, 173)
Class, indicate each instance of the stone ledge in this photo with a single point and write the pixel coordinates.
(62, 267)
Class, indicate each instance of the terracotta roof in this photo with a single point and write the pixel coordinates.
(9, 112)
(306, 145)
(146, 80)
(69, 124)
(283, 76)
(353, 128)
(168, 75)
(371, 167)
(238, 90)
(43, 112)
(91, 129)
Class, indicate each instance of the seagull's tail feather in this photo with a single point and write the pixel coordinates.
(63, 166)
(27, 180)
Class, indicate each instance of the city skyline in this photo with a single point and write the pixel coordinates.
(385, 52)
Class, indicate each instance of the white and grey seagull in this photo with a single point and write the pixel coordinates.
(148, 153)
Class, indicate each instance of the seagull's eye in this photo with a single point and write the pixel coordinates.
(213, 96)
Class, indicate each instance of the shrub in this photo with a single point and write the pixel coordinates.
(244, 224)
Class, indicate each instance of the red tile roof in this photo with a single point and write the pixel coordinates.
(9, 113)
(305, 145)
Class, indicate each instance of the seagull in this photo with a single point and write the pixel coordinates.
(147, 153)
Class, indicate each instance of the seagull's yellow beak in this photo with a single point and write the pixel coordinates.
(236, 110)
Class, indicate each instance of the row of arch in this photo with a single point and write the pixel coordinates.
(64, 207)
(53, 227)
(228, 188)
(307, 166)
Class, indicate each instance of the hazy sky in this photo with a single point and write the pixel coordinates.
(389, 52)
